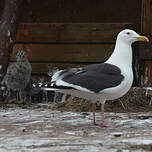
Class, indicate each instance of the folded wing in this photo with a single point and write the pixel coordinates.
(95, 77)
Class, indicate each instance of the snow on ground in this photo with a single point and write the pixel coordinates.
(44, 130)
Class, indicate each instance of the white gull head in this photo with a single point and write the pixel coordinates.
(130, 36)
(122, 54)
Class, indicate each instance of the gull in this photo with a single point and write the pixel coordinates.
(104, 81)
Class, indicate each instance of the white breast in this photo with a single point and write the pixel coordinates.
(120, 90)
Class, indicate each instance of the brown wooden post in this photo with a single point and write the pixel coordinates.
(146, 17)
(145, 50)
(8, 28)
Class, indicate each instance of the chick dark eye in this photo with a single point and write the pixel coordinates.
(128, 33)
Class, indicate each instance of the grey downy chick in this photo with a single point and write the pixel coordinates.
(18, 74)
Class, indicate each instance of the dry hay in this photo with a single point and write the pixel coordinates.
(134, 101)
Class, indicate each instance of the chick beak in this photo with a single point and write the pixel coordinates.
(142, 38)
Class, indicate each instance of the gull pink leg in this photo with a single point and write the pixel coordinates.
(103, 123)
(102, 115)
(94, 116)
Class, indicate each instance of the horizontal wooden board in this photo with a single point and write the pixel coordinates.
(66, 53)
(81, 11)
(44, 68)
(70, 32)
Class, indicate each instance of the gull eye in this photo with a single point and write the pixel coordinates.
(128, 33)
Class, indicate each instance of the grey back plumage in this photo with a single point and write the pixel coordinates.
(95, 77)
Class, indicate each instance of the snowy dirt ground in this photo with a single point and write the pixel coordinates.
(45, 130)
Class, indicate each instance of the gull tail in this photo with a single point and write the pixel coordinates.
(50, 89)
(56, 88)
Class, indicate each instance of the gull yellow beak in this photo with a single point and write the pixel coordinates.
(142, 38)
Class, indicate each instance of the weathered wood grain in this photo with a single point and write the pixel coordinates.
(66, 53)
(70, 32)
(147, 80)
(42, 56)
(146, 17)
(82, 11)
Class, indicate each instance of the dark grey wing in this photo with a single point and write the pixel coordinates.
(103, 67)
(95, 77)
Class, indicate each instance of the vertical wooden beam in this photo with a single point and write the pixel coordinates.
(146, 49)
(146, 17)
(148, 73)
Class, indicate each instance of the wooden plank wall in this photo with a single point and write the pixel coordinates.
(72, 33)
(67, 44)
(81, 11)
